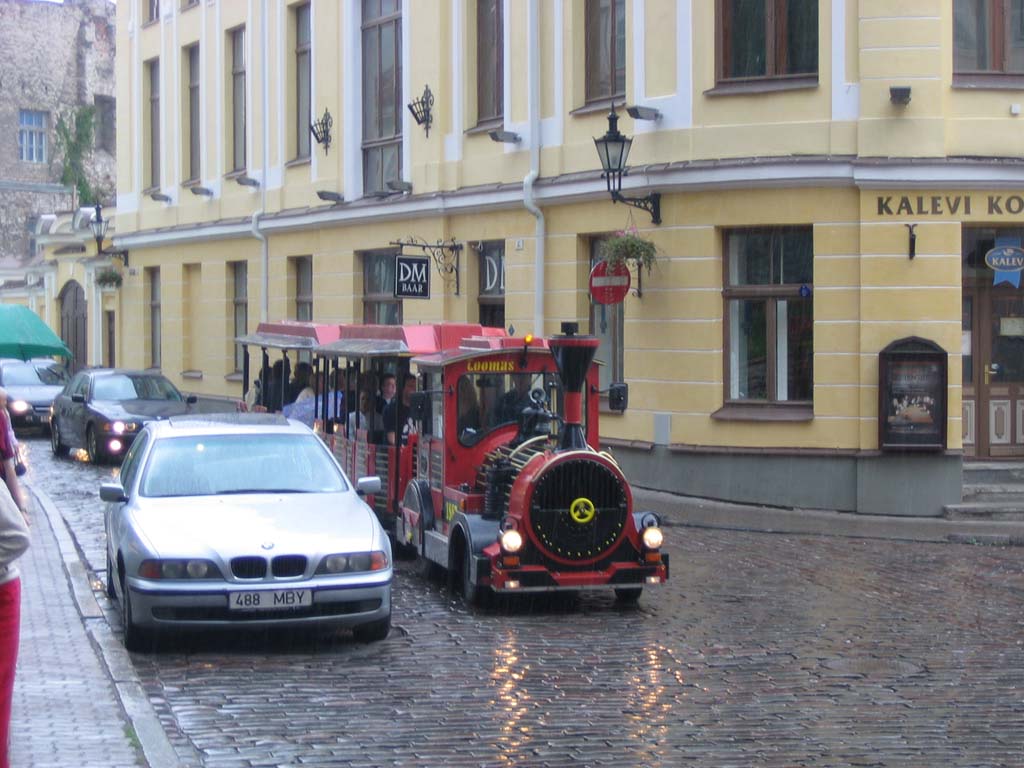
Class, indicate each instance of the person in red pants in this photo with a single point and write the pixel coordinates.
(13, 543)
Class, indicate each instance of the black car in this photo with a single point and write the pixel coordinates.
(31, 386)
(103, 409)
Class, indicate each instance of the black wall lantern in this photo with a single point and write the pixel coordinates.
(321, 130)
(99, 232)
(613, 149)
(421, 109)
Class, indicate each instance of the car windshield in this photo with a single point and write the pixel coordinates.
(34, 374)
(126, 387)
(210, 465)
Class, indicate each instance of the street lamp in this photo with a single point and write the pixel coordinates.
(99, 232)
(613, 150)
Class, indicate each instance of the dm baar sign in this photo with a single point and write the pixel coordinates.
(412, 277)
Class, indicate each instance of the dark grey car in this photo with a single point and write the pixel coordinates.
(31, 386)
(103, 409)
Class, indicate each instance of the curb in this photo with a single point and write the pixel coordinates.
(156, 747)
(708, 513)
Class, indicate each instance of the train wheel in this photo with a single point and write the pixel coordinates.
(426, 567)
(471, 593)
(628, 596)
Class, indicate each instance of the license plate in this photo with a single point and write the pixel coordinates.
(270, 600)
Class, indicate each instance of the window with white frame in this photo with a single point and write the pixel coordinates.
(988, 37)
(237, 95)
(382, 93)
(379, 303)
(32, 136)
(492, 284)
(302, 269)
(240, 306)
(193, 73)
(303, 75)
(605, 49)
(761, 39)
(769, 315)
(607, 323)
(490, 65)
(153, 84)
(153, 278)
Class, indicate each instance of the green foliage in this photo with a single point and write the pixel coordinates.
(109, 278)
(627, 247)
(74, 131)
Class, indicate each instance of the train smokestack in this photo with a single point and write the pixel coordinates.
(573, 355)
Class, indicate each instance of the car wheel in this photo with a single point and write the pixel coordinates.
(628, 595)
(58, 448)
(374, 631)
(92, 446)
(135, 637)
(111, 592)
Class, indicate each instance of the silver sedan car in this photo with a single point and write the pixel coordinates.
(227, 520)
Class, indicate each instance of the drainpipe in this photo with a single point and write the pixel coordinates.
(258, 214)
(533, 101)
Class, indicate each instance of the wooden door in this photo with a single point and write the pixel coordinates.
(999, 372)
(72, 323)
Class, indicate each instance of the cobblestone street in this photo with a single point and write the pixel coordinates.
(763, 649)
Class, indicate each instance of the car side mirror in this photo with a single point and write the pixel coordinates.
(419, 406)
(191, 400)
(78, 397)
(368, 486)
(113, 492)
(618, 396)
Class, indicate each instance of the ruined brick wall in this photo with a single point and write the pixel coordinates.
(53, 57)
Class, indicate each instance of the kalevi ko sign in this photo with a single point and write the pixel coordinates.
(412, 277)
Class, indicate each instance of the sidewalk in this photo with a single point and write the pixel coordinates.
(74, 682)
(707, 513)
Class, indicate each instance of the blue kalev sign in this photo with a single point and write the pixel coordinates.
(1006, 261)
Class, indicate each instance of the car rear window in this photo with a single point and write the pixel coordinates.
(211, 465)
(33, 374)
(123, 387)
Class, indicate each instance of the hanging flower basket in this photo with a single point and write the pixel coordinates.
(626, 247)
(109, 278)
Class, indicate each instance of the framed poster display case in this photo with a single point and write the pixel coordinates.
(912, 378)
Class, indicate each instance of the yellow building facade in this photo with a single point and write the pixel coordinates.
(832, 176)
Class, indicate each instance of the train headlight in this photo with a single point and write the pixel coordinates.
(653, 537)
(511, 540)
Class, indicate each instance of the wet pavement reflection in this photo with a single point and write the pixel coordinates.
(763, 649)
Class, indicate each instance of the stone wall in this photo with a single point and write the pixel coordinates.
(53, 58)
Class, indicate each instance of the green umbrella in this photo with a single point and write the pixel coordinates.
(24, 335)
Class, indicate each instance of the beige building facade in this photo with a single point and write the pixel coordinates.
(821, 327)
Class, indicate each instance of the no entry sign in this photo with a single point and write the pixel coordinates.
(609, 285)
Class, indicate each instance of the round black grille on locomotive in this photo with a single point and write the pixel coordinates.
(578, 509)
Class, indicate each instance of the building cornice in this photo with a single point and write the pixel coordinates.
(666, 178)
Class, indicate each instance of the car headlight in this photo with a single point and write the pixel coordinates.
(353, 563)
(121, 427)
(179, 569)
(511, 540)
(653, 537)
(19, 406)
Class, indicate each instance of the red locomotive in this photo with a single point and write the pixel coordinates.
(493, 475)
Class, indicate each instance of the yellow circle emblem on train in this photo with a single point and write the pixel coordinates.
(582, 510)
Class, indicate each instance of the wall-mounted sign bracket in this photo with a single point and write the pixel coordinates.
(444, 253)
